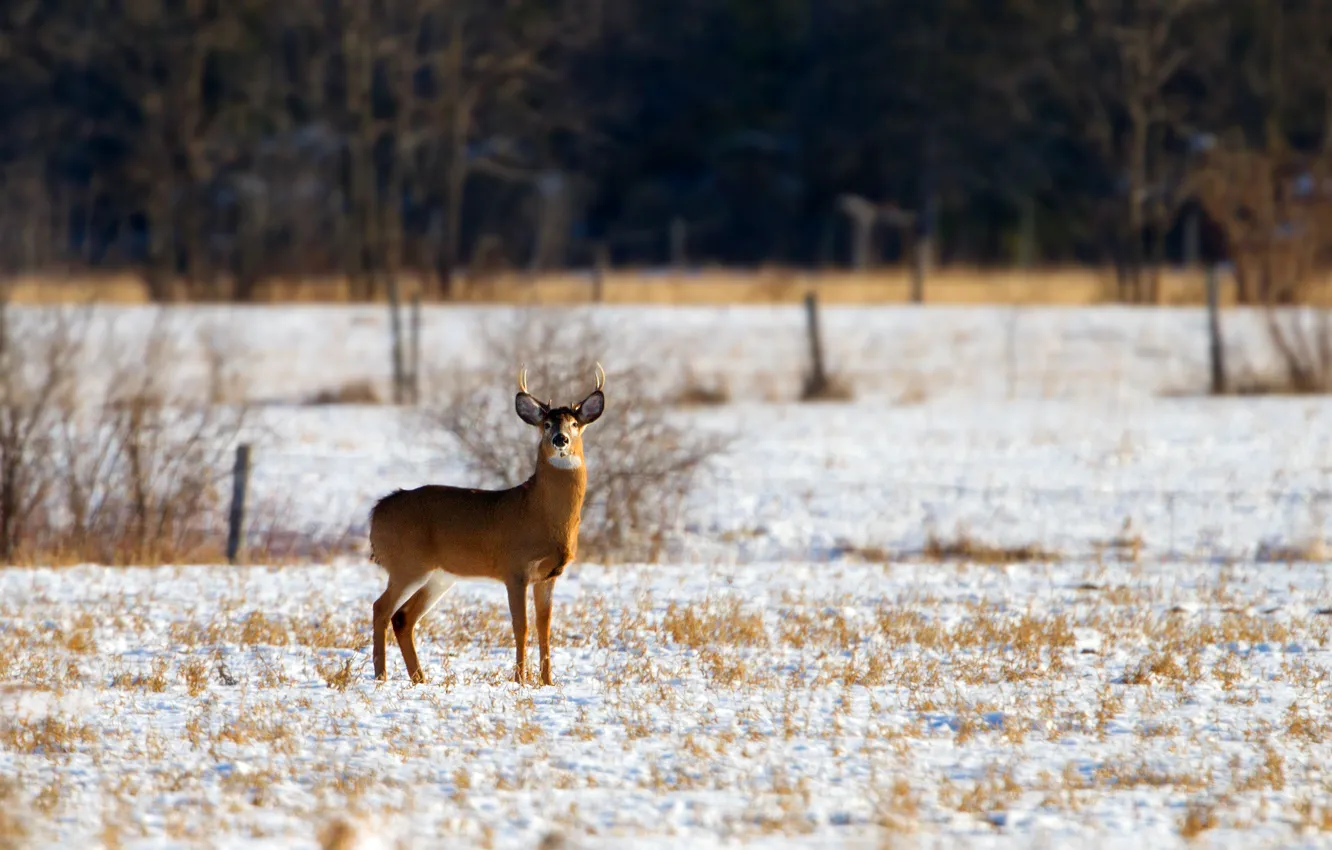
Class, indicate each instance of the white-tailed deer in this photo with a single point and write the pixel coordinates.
(428, 538)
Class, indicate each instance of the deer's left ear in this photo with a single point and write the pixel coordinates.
(590, 408)
(529, 409)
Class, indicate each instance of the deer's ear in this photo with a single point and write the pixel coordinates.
(529, 409)
(590, 408)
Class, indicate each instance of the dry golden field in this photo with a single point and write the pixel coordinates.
(950, 285)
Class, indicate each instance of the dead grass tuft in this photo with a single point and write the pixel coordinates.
(336, 676)
(964, 547)
(1198, 818)
(350, 392)
(833, 388)
(696, 392)
(1156, 667)
(711, 623)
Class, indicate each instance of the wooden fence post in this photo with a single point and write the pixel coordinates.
(924, 247)
(816, 383)
(395, 343)
(414, 343)
(240, 478)
(1216, 348)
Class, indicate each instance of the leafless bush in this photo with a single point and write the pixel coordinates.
(38, 353)
(1301, 339)
(127, 473)
(642, 462)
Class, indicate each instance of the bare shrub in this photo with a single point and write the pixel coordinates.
(145, 462)
(1301, 339)
(38, 354)
(128, 473)
(1276, 214)
(642, 462)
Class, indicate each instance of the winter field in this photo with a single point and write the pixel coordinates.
(1028, 588)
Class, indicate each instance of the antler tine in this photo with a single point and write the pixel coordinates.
(601, 376)
(522, 378)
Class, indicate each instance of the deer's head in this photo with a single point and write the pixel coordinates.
(561, 427)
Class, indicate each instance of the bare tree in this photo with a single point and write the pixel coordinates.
(482, 69)
(1276, 213)
(1115, 65)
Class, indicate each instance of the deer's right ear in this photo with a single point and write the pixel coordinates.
(529, 409)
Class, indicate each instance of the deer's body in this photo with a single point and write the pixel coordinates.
(427, 538)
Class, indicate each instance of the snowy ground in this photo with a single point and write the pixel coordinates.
(800, 674)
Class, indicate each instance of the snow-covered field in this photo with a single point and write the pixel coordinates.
(800, 674)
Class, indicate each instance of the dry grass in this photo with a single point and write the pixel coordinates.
(697, 392)
(962, 546)
(949, 285)
(352, 392)
(922, 703)
(833, 388)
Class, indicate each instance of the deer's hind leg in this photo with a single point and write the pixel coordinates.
(406, 618)
(385, 606)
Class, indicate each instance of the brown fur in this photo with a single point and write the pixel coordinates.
(524, 535)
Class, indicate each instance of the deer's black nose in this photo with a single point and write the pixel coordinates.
(559, 441)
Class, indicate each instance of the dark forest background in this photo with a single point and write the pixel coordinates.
(223, 142)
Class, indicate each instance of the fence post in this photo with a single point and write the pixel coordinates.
(817, 381)
(1012, 352)
(414, 343)
(924, 247)
(395, 343)
(240, 478)
(1216, 348)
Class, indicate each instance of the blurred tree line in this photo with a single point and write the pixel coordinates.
(227, 141)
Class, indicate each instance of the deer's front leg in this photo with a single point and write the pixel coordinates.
(542, 593)
(518, 611)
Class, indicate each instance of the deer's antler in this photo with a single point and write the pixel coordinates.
(601, 376)
(522, 378)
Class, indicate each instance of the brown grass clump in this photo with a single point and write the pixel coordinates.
(698, 393)
(351, 392)
(964, 547)
(1159, 666)
(1198, 818)
(336, 676)
(711, 624)
(833, 388)
(49, 735)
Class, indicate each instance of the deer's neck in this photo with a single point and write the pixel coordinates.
(558, 490)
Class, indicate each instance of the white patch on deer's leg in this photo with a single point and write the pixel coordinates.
(407, 593)
(566, 462)
(440, 583)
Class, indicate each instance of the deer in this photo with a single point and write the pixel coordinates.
(427, 538)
